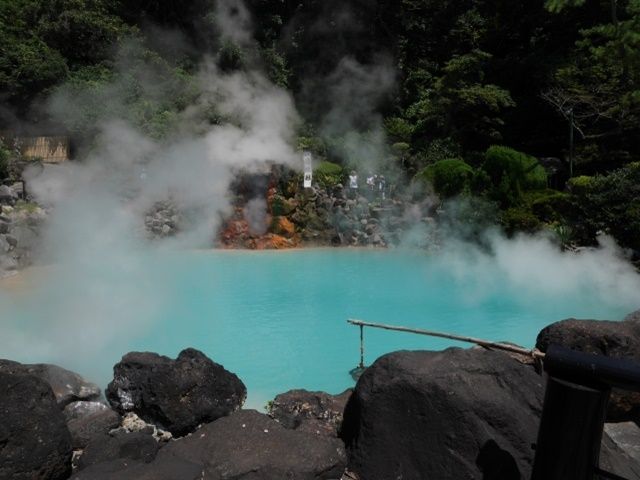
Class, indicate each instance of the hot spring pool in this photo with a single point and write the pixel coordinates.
(278, 319)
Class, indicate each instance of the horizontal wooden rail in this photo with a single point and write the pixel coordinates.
(534, 353)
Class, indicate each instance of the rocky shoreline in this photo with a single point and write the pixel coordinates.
(457, 413)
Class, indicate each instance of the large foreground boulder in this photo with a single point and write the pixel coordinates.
(35, 443)
(67, 386)
(246, 445)
(177, 395)
(601, 337)
(315, 412)
(454, 414)
(443, 415)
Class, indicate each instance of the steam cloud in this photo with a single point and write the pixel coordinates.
(101, 291)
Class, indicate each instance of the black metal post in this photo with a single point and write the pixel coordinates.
(578, 389)
(570, 431)
(361, 347)
(571, 143)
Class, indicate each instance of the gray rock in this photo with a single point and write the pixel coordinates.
(314, 412)
(626, 435)
(27, 237)
(615, 458)
(89, 420)
(451, 414)
(81, 409)
(12, 241)
(17, 189)
(67, 386)
(35, 443)
(8, 263)
(5, 246)
(430, 415)
(7, 195)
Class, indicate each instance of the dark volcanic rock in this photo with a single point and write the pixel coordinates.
(136, 446)
(126, 469)
(177, 395)
(34, 440)
(246, 445)
(314, 412)
(601, 337)
(67, 386)
(249, 445)
(88, 420)
(437, 415)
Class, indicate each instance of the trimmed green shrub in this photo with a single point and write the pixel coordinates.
(580, 184)
(519, 220)
(329, 174)
(550, 205)
(449, 177)
(511, 173)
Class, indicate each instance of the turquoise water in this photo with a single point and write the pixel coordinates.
(278, 319)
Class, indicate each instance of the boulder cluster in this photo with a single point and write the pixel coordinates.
(162, 220)
(325, 216)
(415, 415)
(20, 224)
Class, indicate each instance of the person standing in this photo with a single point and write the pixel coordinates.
(353, 184)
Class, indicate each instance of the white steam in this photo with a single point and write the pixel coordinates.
(533, 269)
(102, 291)
(356, 92)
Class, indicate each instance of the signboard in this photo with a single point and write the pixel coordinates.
(308, 168)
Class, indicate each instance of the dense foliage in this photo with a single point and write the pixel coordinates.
(463, 93)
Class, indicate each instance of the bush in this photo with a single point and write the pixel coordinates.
(550, 205)
(580, 185)
(609, 204)
(329, 174)
(449, 177)
(4, 162)
(511, 173)
(519, 220)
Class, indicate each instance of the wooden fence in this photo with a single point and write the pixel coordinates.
(49, 149)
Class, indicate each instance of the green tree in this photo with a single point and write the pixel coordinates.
(143, 89)
(600, 85)
(461, 105)
(41, 42)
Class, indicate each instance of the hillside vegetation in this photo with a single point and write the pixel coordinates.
(468, 97)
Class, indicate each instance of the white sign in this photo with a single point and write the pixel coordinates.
(308, 169)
